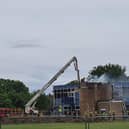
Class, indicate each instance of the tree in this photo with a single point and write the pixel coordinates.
(13, 93)
(5, 101)
(114, 70)
(43, 102)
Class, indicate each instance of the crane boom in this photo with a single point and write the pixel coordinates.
(30, 105)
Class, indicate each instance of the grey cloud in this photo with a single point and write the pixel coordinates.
(26, 44)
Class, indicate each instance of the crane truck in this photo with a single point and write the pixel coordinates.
(30, 106)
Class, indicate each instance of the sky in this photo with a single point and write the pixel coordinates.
(37, 37)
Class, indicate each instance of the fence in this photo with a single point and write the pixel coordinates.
(71, 122)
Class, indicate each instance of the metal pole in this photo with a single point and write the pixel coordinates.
(87, 125)
(0, 123)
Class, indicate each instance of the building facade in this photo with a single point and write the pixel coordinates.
(91, 94)
(120, 86)
(66, 99)
(70, 99)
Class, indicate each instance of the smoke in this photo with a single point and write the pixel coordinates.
(107, 78)
(102, 79)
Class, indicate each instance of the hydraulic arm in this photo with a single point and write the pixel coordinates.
(30, 106)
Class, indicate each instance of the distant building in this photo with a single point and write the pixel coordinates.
(105, 91)
(91, 94)
(120, 86)
(66, 99)
(121, 91)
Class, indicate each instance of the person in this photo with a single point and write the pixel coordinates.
(60, 110)
(113, 114)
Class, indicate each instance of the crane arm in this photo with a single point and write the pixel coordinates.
(29, 106)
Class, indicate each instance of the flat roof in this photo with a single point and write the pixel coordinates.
(65, 86)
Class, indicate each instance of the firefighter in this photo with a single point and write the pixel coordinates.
(60, 109)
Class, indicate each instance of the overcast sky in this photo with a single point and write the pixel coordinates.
(37, 37)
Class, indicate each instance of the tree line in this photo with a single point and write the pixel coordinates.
(14, 94)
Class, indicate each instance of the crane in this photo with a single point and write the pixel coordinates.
(30, 106)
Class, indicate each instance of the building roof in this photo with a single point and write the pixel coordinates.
(66, 86)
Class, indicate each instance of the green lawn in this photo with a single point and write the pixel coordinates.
(111, 125)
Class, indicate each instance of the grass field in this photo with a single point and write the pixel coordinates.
(111, 125)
